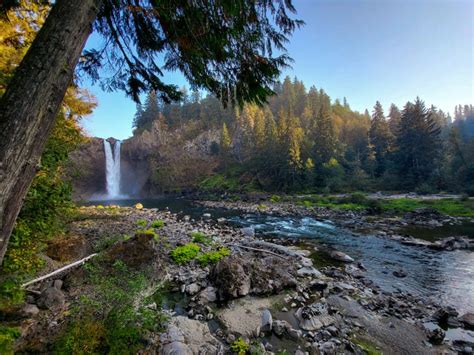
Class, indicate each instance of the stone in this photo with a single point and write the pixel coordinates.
(208, 295)
(467, 320)
(221, 220)
(280, 327)
(244, 316)
(314, 317)
(267, 321)
(230, 278)
(58, 284)
(30, 310)
(187, 336)
(327, 348)
(248, 232)
(206, 215)
(399, 273)
(51, 298)
(192, 289)
(308, 271)
(340, 256)
(436, 336)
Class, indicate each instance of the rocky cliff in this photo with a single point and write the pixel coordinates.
(153, 162)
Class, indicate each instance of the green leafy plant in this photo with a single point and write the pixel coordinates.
(275, 198)
(240, 346)
(147, 232)
(200, 237)
(141, 223)
(186, 253)
(212, 257)
(158, 224)
(7, 338)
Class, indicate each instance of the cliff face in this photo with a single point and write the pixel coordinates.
(87, 169)
(152, 162)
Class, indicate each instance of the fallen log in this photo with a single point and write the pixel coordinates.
(256, 249)
(59, 271)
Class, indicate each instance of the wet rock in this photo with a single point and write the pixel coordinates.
(399, 273)
(280, 327)
(340, 256)
(436, 336)
(58, 284)
(267, 321)
(467, 320)
(206, 215)
(221, 220)
(442, 315)
(51, 298)
(314, 317)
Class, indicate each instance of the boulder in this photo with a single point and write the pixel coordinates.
(314, 317)
(207, 295)
(230, 278)
(51, 298)
(188, 336)
(340, 256)
(67, 248)
(134, 252)
(467, 320)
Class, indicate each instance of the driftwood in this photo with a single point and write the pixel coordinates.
(59, 271)
(257, 249)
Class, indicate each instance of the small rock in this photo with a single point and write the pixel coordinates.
(436, 336)
(58, 284)
(328, 348)
(267, 321)
(193, 288)
(30, 310)
(308, 271)
(221, 220)
(206, 215)
(340, 256)
(248, 232)
(208, 295)
(399, 273)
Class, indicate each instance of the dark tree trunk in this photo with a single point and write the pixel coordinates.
(29, 106)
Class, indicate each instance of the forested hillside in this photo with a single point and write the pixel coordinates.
(302, 140)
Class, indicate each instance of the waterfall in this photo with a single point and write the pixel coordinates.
(112, 168)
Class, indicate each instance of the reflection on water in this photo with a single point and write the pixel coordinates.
(448, 277)
(465, 229)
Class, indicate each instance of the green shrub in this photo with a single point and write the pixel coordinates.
(185, 253)
(307, 203)
(7, 338)
(212, 257)
(275, 198)
(141, 223)
(375, 206)
(262, 206)
(200, 237)
(357, 197)
(148, 232)
(240, 346)
(158, 224)
(464, 198)
(425, 189)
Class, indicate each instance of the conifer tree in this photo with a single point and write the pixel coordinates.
(380, 139)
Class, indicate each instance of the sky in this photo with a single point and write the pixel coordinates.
(364, 50)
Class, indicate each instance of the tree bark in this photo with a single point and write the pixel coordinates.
(32, 100)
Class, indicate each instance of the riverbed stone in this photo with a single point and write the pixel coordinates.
(314, 317)
(340, 256)
(267, 321)
(51, 298)
(467, 320)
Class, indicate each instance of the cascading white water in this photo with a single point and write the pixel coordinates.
(112, 168)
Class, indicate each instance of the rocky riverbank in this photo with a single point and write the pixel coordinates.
(363, 221)
(257, 296)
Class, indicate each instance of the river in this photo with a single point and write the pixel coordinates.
(445, 276)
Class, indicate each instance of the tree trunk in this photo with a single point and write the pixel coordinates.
(32, 100)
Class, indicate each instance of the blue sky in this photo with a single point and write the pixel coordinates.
(365, 50)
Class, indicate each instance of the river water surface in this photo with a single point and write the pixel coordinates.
(445, 276)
